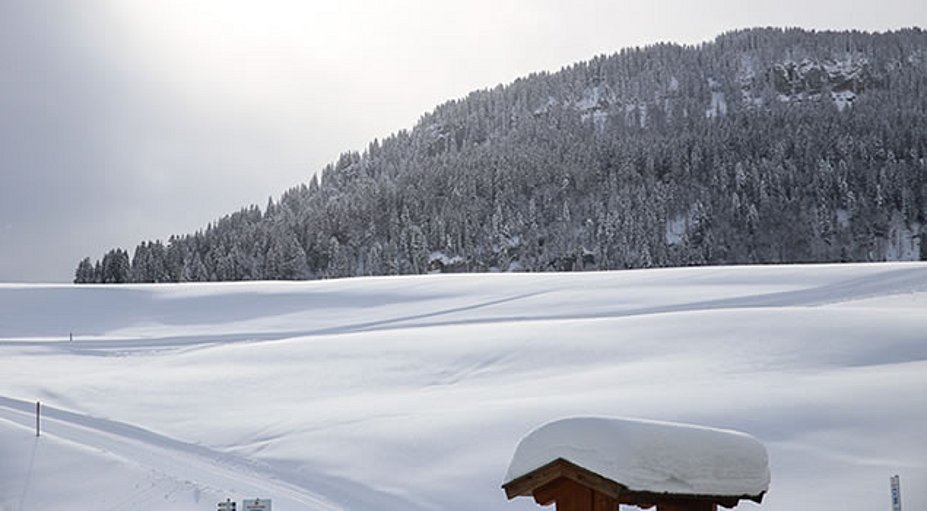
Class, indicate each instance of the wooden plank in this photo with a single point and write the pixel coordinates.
(570, 495)
(592, 480)
(547, 494)
(567, 494)
(525, 485)
(602, 502)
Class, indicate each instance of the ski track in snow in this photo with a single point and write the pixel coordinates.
(172, 458)
(891, 282)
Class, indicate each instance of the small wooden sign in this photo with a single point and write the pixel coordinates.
(256, 505)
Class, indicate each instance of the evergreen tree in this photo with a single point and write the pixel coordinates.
(84, 273)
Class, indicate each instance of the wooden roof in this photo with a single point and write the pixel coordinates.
(537, 481)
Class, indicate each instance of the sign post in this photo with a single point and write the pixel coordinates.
(37, 412)
(896, 493)
(256, 505)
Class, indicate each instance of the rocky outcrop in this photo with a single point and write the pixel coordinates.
(842, 80)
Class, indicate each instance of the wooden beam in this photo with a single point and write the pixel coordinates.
(686, 505)
(648, 499)
(592, 480)
(526, 484)
(547, 494)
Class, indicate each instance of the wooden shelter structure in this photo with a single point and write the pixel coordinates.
(574, 487)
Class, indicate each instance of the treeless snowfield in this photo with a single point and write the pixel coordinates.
(412, 393)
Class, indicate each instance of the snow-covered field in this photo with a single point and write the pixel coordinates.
(411, 393)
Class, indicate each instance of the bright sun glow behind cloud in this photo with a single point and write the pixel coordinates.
(217, 52)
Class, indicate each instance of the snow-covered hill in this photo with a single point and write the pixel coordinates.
(412, 392)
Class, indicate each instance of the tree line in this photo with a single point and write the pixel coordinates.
(763, 146)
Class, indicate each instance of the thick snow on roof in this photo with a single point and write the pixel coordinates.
(650, 456)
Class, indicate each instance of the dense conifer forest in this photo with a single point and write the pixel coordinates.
(762, 146)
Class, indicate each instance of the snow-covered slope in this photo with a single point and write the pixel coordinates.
(412, 393)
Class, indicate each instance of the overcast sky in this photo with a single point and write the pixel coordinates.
(123, 121)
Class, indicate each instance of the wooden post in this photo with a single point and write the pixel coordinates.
(37, 414)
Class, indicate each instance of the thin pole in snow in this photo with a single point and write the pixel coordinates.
(896, 493)
(37, 414)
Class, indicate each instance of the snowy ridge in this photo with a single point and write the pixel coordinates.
(412, 392)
